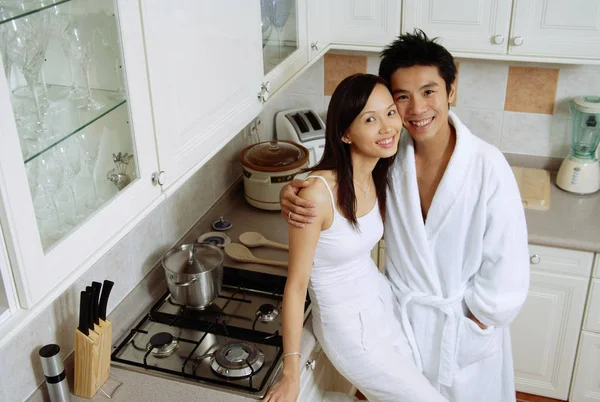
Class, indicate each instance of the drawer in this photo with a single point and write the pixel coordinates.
(592, 316)
(560, 260)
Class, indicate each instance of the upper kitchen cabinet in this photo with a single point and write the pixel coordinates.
(462, 26)
(362, 24)
(78, 153)
(284, 42)
(556, 28)
(205, 71)
(319, 37)
(528, 30)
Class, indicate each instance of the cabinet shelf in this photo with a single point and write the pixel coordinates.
(8, 14)
(70, 120)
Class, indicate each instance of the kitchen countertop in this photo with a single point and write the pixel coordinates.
(573, 221)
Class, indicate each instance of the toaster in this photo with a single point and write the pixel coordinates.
(304, 127)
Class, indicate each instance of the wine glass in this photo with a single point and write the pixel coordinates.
(51, 179)
(265, 22)
(90, 145)
(280, 11)
(26, 47)
(81, 40)
(108, 31)
(71, 159)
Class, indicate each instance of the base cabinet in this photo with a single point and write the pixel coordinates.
(586, 383)
(318, 376)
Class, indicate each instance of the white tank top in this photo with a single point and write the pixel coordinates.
(342, 266)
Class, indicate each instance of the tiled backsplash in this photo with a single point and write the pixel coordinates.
(127, 264)
(522, 108)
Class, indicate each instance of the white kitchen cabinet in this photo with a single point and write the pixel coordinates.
(318, 376)
(205, 71)
(586, 382)
(597, 265)
(556, 28)
(592, 315)
(286, 52)
(318, 14)
(463, 26)
(530, 30)
(561, 260)
(33, 167)
(364, 22)
(544, 335)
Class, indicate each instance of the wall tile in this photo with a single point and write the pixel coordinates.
(176, 215)
(202, 194)
(226, 166)
(486, 124)
(526, 133)
(148, 245)
(21, 371)
(575, 81)
(310, 82)
(455, 101)
(531, 89)
(340, 66)
(373, 64)
(482, 84)
(560, 137)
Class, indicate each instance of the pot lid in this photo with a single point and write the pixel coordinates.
(274, 155)
(193, 258)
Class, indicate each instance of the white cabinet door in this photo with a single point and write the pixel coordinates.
(279, 69)
(544, 335)
(38, 272)
(592, 315)
(311, 376)
(480, 26)
(205, 69)
(318, 14)
(556, 28)
(364, 22)
(586, 381)
(597, 265)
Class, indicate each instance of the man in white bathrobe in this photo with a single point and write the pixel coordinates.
(455, 232)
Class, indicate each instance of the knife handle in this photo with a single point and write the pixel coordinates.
(106, 288)
(84, 311)
(95, 295)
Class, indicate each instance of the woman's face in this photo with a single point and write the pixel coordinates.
(376, 130)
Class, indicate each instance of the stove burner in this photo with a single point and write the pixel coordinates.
(267, 313)
(235, 360)
(162, 344)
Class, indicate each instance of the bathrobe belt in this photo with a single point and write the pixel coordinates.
(449, 340)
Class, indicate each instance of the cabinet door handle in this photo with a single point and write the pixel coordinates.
(265, 86)
(534, 259)
(159, 178)
(518, 40)
(310, 364)
(498, 39)
(314, 45)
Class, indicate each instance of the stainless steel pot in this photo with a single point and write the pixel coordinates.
(194, 274)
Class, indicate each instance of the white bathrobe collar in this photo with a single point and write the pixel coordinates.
(452, 181)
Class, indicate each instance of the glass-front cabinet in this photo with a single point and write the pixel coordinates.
(80, 140)
(284, 40)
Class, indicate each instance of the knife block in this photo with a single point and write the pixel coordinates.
(87, 359)
(105, 348)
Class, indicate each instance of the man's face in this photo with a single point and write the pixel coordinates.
(422, 101)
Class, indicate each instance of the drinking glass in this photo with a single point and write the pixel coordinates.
(90, 145)
(280, 11)
(80, 40)
(51, 179)
(26, 47)
(71, 159)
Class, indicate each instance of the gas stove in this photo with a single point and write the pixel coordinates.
(234, 344)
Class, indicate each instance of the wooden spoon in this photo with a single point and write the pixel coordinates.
(241, 253)
(255, 239)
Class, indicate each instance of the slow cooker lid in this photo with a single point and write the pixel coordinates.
(274, 154)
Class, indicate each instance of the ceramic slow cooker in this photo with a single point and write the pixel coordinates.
(268, 166)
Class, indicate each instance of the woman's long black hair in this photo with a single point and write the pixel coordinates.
(347, 101)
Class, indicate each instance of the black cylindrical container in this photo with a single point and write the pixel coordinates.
(54, 371)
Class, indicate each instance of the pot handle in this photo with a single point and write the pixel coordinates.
(184, 284)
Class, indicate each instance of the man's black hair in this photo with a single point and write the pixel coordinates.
(416, 49)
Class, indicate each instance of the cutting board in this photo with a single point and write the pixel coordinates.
(534, 186)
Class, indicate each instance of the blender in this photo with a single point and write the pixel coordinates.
(579, 173)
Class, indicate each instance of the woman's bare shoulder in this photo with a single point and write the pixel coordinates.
(317, 191)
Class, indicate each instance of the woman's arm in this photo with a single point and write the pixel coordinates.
(303, 243)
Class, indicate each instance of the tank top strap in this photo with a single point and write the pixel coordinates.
(328, 189)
